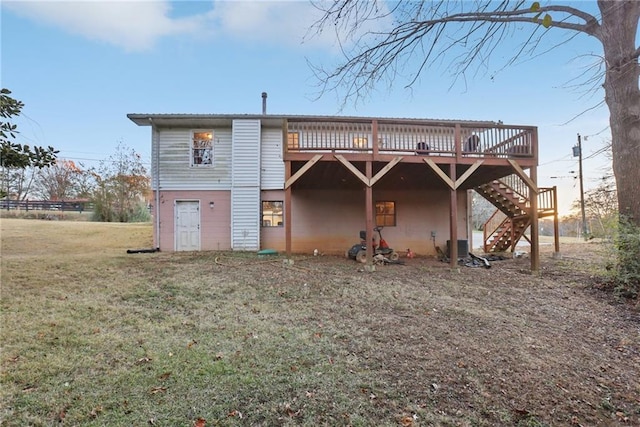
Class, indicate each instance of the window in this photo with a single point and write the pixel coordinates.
(202, 148)
(293, 140)
(272, 214)
(385, 214)
(360, 142)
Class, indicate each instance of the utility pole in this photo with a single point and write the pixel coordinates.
(577, 152)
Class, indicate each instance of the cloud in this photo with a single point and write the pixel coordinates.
(279, 22)
(138, 25)
(132, 25)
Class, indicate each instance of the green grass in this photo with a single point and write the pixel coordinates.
(93, 336)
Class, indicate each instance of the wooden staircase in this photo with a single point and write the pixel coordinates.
(512, 218)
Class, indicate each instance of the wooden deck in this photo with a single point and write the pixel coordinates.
(347, 152)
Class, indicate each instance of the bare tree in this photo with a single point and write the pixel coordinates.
(60, 181)
(17, 182)
(600, 206)
(121, 184)
(462, 36)
(481, 209)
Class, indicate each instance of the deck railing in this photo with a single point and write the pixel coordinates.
(402, 137)
(546, 195)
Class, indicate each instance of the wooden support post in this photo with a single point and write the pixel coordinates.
(453, 220)
(556, 227)
(535, 239)
(535, 235)
(369, 216)
(287, 210)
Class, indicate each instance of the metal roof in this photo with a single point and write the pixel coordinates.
(179, 119)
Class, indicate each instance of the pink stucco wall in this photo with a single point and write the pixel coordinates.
(329, 221)
(215, 223)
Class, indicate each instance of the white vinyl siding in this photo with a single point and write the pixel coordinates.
(272, 165)
(175, 172)
(245, 218)
(245, 185)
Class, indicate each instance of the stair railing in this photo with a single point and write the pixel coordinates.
(493, 224)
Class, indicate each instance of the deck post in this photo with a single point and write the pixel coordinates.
(556, 227)
(535, 247)
(369, 216)
(453, 220)
(287, 210)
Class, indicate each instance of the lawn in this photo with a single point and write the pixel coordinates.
(92, 335)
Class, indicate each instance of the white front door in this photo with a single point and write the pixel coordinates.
(187, 226)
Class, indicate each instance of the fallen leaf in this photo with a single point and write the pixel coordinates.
(192, 343)
(200, 422)
(143, 360)
(622, 416)
(291, 413)
(95, 411)
(164, 376)
(235, 413)
(406, 421)
(62, 414)
(155, 390)
(29, 389)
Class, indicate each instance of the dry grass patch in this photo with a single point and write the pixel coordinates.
(93, 336)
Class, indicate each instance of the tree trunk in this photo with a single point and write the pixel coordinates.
(622, 95)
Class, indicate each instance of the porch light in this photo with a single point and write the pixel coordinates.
(211, 204)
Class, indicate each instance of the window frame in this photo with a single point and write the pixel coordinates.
(385, 215)
(193, 148)
(293, 140)
(273, 217)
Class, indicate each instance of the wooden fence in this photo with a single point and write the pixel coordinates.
(47, 205)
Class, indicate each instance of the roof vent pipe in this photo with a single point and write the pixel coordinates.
(264, 102)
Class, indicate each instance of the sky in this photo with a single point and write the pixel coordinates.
(81, 66)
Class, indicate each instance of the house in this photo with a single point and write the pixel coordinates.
(296, 183)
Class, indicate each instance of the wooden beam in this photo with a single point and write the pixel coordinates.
(535, 235)
(384, 170)
(453, 222)
(468, 173)
(369, 221)
(354, 170)
(289, 182)
(440, 173)
(521, 173)
(287, 211)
